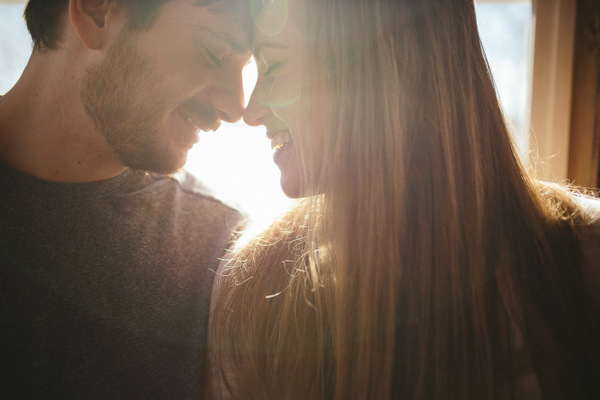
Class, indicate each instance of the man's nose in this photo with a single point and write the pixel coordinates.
(227, 97)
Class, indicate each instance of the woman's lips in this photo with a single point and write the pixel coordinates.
(281, 155)
(280, 140)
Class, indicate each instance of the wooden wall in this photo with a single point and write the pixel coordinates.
(584, 146)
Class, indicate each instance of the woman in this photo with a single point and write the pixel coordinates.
(426, 263)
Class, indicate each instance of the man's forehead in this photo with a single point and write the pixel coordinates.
(240, 43)
(228, 20)
(237, 8)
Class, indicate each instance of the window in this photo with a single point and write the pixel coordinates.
(15, 44)
(505, 31)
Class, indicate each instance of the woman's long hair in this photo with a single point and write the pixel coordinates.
(429, 242)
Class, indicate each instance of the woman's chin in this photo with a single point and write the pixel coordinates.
(286, 160)
(291, 186)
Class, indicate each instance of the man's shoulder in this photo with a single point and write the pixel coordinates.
(191, 184)
(192, 197)
(188, 187)
(190, 218)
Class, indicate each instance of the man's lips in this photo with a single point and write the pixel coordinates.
(197, 122)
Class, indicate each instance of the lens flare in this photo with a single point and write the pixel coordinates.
(280, 102)
(270, 16)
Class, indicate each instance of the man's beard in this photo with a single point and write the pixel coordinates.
(117, 97)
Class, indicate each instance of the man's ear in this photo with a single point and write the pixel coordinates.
(95, 21)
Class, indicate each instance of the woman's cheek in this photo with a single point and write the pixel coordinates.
(283, 94)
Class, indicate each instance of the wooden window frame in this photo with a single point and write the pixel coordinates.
(565, 98)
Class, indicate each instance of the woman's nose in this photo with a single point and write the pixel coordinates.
(256, 110)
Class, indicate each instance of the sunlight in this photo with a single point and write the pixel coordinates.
(505, 31)
(236, 162)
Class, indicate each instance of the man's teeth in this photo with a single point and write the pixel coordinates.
(280, 140)
(189, 119)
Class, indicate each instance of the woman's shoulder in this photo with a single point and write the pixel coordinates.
(587, 230)
(589, 206)
(587, 221)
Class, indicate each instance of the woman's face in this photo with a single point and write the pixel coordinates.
(275, 100)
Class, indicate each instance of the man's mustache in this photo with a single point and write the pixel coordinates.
(206, 115)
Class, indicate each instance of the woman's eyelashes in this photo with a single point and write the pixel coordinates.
(272, 69)
(275, 69)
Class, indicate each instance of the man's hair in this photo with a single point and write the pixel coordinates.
(42, 17)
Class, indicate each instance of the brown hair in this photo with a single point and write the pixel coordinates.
(429, 243)
(42, 16)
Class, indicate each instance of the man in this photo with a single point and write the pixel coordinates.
(106, 262)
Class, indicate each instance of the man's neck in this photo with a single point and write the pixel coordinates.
(44, 129)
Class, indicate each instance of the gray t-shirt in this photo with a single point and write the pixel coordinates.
(105, 286)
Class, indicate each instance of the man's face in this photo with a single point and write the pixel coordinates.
(158, 88)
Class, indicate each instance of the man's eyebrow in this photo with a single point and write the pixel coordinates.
(266, 45)
(226, 37)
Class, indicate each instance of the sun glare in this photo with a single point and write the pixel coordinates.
(236, 162)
